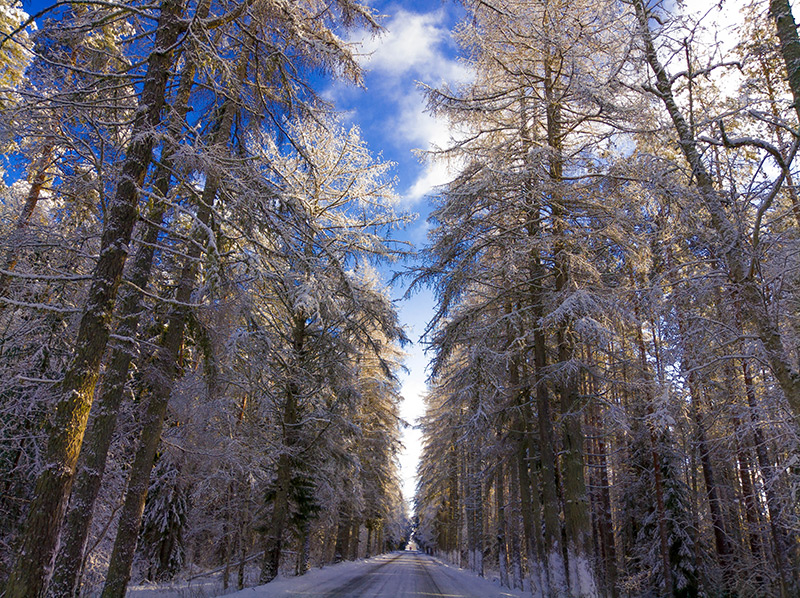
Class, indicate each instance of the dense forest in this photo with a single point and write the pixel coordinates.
(197, 355)
(615, 390)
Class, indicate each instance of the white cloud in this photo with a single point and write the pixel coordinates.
(414, 124)
(434, 175)
(410, 44)
(413, 44)
(415, 48)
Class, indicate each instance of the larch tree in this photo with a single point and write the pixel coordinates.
(614, 256)
(539, 103)
(337, 197)
(174, 34)
(30, 572)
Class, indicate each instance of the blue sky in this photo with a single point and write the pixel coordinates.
(417, 47)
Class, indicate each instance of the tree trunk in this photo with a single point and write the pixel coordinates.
(516, 548)
(781, 13)
(159, 388)
(243, 546)
(31, 570)
(519, 440)
(532, 523)
(554, 557)
(740, 265)
(546, 563)
(709, 478)
(605, 524)
(227, 547)
(464, 542)
(661, 514)
(38, 182)
(751, 510)
(767, 471)
(500, 502)
(474, 496)
(304, 546)
(94, 452)
(342, 536)
(273, 540)
(355, 535)
(576, 508)
(554, 567)
(370, 526)
(454, 500)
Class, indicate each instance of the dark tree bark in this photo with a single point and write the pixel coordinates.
(342, 535)
(355, 534)
(607, 551)
(94, 452)
(31, 571)
(500, 502)
(514, 524)
(473, 480)
(531, 523)
(159, 388)
(781, 13)
(279, 519)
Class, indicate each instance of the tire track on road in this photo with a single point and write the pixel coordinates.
(359, 583)
(424, 564)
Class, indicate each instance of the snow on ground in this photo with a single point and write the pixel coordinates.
(206, 587)
(488, 587)
(200, 588)
(316, 580)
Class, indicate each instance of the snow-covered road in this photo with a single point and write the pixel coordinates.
(396, 575)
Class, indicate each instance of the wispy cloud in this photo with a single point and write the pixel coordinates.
(416, 48)
(412, 44)
(413, 124)
(434, 175)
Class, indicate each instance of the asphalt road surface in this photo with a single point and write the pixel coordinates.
(405, 574)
